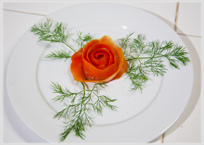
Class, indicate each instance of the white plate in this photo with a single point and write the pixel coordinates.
(149, 115)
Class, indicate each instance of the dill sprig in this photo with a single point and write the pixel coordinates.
(124, 43)
(146, 58)
(52, 32)
(77, 113)
(82, 39)
(59, 54)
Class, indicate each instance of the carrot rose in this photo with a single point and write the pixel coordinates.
(99, 61)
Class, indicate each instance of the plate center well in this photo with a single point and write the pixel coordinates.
(129, 103)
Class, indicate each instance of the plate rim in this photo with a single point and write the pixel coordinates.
(56, 12)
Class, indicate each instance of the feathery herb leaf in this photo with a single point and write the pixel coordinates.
(145, 58)
(52, 32)
(77, 114)
(82, 39)
(59, 54)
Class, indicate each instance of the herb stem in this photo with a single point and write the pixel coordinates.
(69, 46)
(145, 57)
(84, 89)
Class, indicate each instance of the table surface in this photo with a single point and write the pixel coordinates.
(184, 18)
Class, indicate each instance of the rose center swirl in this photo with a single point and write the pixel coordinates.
(101, 57)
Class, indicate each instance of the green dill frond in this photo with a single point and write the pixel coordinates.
(52, 32)
(82, 39)
(77, 114)
(124, 41)
(64, 93)
(155, 66)
(59, 54)
(146, 58)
